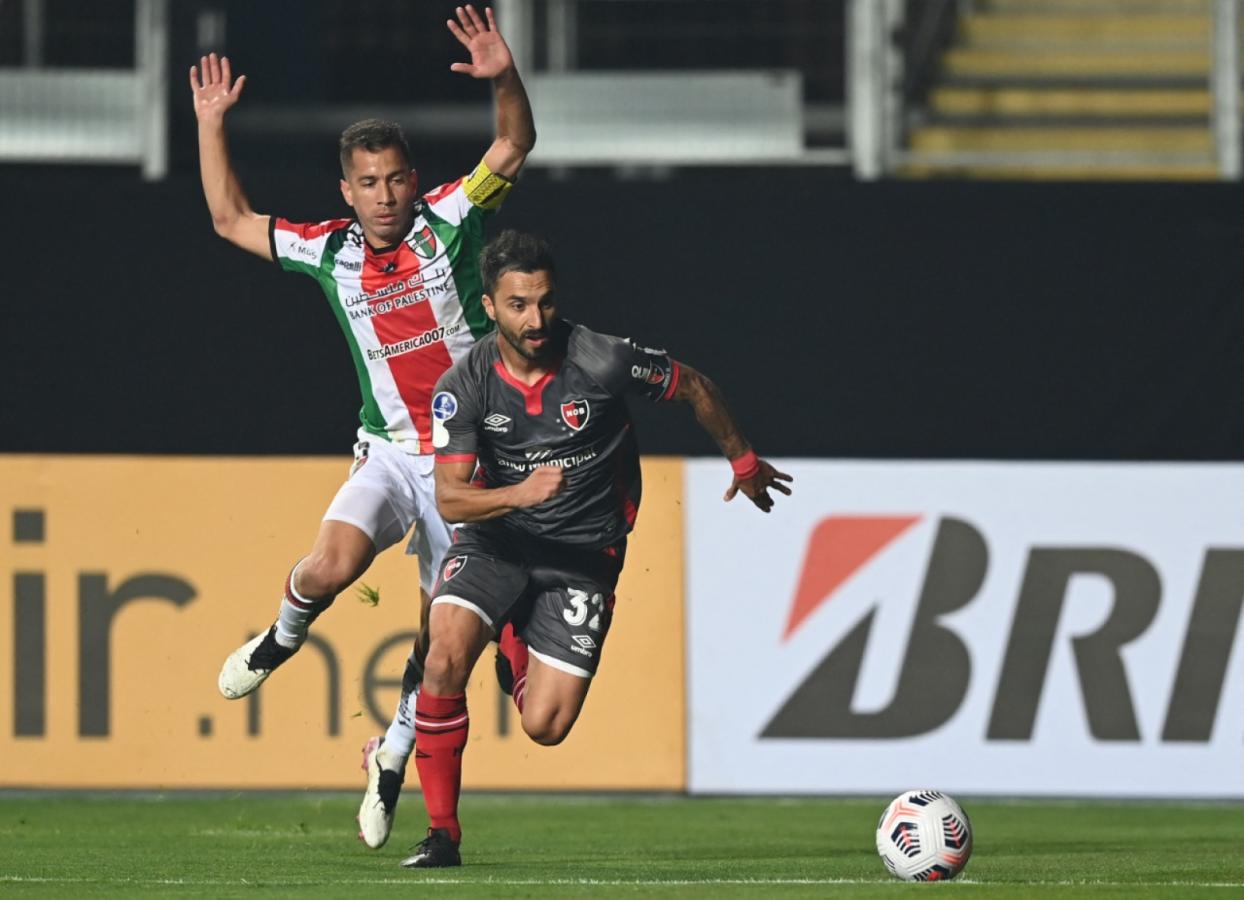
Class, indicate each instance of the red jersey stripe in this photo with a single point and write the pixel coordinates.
(310, 230)
(442, 192)
(415, 371)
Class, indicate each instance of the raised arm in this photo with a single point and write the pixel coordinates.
(460, 501)
(491, 58)
(752, 475)
(215, 92)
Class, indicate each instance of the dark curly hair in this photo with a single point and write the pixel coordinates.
(514, 251)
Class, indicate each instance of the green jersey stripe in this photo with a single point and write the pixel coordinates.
(371, 415)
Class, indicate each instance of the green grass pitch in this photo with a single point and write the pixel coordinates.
(303, 845)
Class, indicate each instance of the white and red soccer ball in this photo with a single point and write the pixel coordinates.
(924, 835)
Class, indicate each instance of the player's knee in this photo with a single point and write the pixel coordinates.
(547, 730)
(447, 668)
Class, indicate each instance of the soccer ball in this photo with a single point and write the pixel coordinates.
(924, 836)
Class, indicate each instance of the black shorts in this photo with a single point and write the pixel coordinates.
(558, 597)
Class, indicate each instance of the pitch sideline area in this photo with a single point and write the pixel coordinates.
(287, 845)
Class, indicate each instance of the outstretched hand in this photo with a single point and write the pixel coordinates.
(756, 487)
(490, 56)
(213, 87)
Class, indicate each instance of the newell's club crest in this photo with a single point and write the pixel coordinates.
(453, 567)
(575, 413)
(423, 242)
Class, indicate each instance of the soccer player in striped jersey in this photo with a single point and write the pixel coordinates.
(401, 279)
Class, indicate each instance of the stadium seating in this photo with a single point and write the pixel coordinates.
(1072, 89)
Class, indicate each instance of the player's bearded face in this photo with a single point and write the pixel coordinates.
(524, 309)
(382, 188)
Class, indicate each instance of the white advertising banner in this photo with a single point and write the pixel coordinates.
(1004, 628)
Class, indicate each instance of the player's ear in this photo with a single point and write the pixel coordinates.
(489, 307)
(346, 193)
(414, 180)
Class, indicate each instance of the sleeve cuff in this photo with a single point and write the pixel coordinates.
(675, 371)
(455, 457)
(272, 239)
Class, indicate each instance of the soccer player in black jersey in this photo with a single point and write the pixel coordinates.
(535, 452)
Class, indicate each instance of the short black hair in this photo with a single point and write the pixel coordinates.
(514, 251)
(372, 135)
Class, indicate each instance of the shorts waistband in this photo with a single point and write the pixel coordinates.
(411, 446)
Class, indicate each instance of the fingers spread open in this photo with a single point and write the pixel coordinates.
(475, 19)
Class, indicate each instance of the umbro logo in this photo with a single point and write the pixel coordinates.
(584, 641)
(497, 422)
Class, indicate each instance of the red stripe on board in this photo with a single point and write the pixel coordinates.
(838, 547)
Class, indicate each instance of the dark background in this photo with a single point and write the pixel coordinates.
(897, 319)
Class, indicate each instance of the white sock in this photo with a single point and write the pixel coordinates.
(399, 740)
(297, 613)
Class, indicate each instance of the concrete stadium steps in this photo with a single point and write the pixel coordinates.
(1126, 7)
(1069, 103)
(1106, 63)
(938, 139)
(1134, 31)
(1072, 88)
(1045, 170)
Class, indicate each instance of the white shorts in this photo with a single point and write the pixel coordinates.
(387, 492)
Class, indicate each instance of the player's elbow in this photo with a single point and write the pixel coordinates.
(227, 227)
(513, 150)
(450, 508)
(693, 387)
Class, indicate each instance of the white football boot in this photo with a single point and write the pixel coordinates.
(385, 774)
(249, 666)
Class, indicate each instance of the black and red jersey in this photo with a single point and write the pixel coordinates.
(574, 417)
